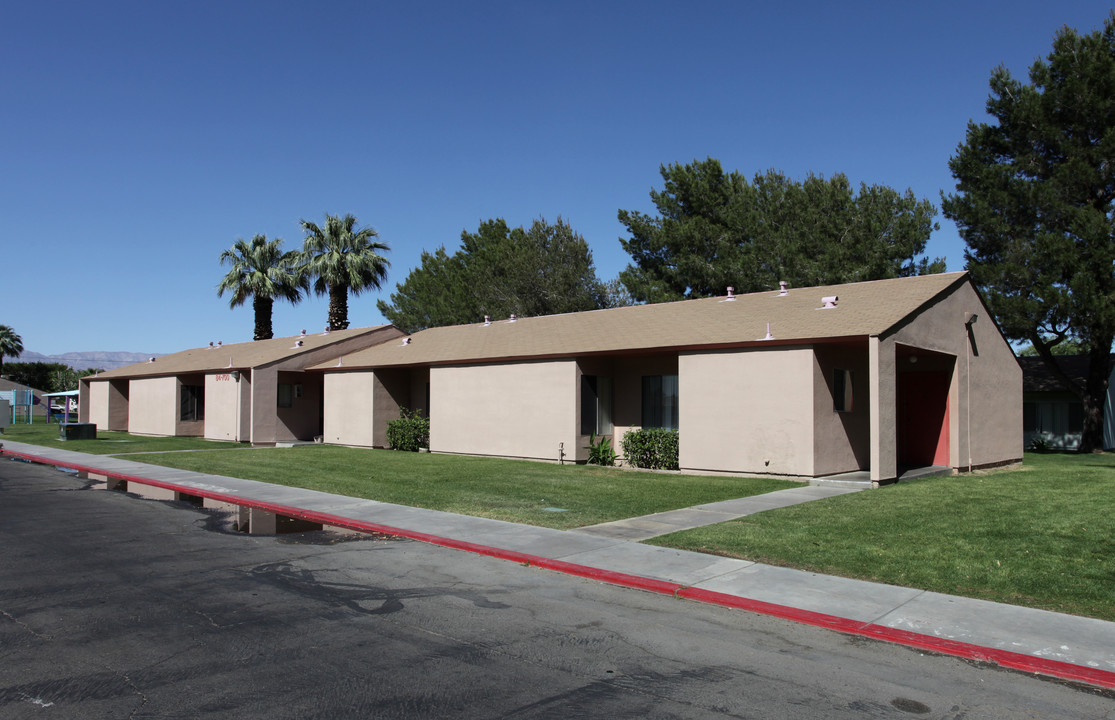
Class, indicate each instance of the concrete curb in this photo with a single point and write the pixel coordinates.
(943, 646)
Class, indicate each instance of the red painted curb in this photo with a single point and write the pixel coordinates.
(943, 646)
(808, 617)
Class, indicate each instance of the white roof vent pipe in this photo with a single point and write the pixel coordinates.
(731, 293)
(150, 360)
(406, 341)
(297, 344)
(326, 330)
(512, 318)
(229, 363)
(210, 344)
(303, 333)
(783, 291)
(487, 320)
(219, 343)
(828, 302)
(769, 335)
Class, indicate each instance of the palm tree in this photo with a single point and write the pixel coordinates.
(263, 272)
(342, 257)
(11, 345)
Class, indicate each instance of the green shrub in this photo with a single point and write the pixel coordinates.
(600, 451)
(1040, 445)
(410, 432)
(651, 448)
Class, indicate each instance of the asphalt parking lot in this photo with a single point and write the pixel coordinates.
(114, 607)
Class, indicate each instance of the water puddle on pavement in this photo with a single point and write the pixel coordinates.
(228, 518)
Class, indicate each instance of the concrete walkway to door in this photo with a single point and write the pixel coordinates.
(664, 523)
(645, 527)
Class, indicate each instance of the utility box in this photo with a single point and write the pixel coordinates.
(77, 431)
(5, 414)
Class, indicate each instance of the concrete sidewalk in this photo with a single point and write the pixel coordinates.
(1064, 646)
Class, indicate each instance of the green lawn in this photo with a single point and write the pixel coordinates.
(535, 493)
(108, 442)
(1041, 536)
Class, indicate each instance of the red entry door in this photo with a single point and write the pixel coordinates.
(923, 418)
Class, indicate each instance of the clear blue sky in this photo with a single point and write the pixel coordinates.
(140, 139)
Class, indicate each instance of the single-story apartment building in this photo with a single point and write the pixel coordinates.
(255, 392)
(1051, 412)
(800, 382)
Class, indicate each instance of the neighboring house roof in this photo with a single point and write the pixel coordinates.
(37, 407)
(239, 356)
(1037, 377)
(6, 384)
(863, 309)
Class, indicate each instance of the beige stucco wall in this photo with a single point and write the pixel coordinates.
(264, 403)
(153, 405)
(627, 386)
(303, 419)
(391, 393)
(222, 407)
(747, 411)
(348, 408)
(83, 394)
(841, 440)
(117, 405)
(96, 405)
(360, 403)
(104, 403)
(510, 409)
(883, 400)
(601, 367)
(988, 383)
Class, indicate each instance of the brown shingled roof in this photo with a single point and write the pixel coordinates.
(866, 308)
(239, 356)
(1036, 376)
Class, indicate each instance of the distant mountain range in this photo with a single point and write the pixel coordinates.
(85, 360)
